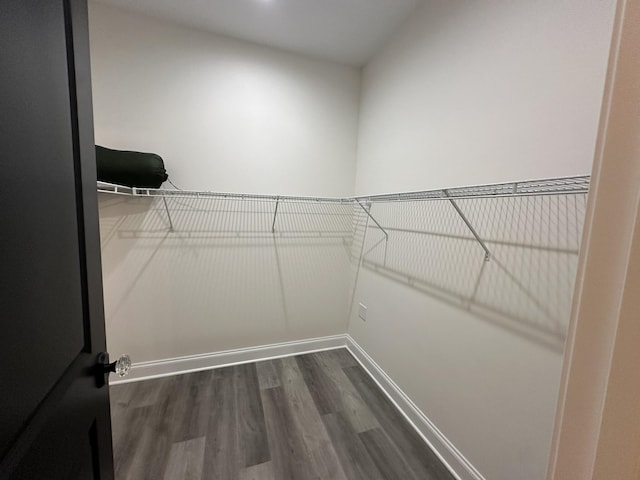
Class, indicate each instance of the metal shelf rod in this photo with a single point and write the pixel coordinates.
(374, 220)
(487, 253)
(166, 207)
(561, 185)
(275, 214)
(408, 198)
(556, 186)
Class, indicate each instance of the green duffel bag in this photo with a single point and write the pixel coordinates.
(132, 169)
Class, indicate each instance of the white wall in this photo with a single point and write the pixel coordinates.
(220, 280)
(477, 92)
(228, 116)
(469, 93)
(225, 115)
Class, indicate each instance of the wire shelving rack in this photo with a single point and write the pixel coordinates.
(552, 186)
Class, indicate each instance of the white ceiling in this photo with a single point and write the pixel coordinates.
(345, 31)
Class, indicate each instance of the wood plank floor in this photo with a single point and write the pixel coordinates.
(316, 416)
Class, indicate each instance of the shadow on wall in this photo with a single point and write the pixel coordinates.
(527, 284)
(210, 274)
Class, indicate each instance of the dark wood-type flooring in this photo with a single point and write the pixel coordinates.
(316, 416)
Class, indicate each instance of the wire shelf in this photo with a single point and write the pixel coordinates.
(553, 186)
(104, 187)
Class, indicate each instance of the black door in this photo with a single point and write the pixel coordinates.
(54, 419)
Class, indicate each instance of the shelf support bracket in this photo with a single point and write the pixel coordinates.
(487, 253)
(275, 214)
(386, 235)
(166, 207)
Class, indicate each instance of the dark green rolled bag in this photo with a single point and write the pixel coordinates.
(132, 169)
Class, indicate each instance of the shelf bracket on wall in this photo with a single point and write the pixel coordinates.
(487, 253)
(386, 235)
(275, 214)
(166, 207)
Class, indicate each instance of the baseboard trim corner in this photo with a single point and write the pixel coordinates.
(206, 361)
(459, 466)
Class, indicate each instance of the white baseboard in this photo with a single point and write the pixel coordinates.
(459, 466)
(193, 363)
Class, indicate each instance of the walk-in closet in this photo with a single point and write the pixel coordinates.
(363, 262)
